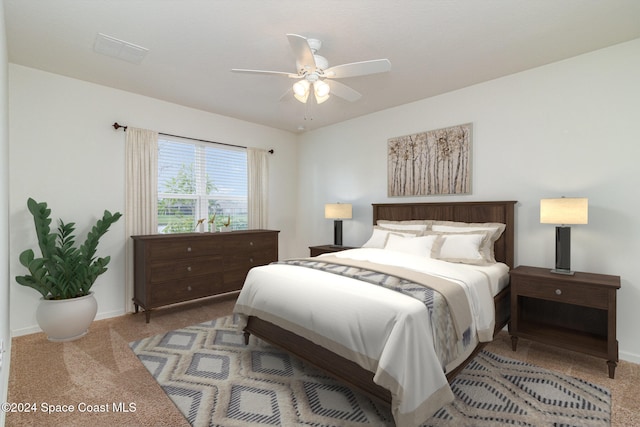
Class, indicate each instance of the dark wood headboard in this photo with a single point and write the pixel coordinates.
(502, 212)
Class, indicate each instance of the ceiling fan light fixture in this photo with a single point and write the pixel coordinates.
(301, 90)
(321, 99)
(321, 89)
(301, 87)
(302, 98)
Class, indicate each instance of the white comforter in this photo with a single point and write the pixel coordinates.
(384, 331)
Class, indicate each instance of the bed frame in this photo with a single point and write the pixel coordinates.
(351, 373)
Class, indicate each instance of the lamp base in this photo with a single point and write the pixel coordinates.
(563, 250)
(337, 232)
(561, 271)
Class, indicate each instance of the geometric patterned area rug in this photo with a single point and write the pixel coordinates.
(214, 379)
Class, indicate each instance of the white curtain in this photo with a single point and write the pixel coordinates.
(141, 205)
(258, 176)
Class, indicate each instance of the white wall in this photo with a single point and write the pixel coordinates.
(568, 128)
(64, 151)
(4, 218)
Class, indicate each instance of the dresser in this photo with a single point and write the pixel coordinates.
(576, 312)
(173, 268)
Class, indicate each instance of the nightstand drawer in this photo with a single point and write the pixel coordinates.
(563, 292)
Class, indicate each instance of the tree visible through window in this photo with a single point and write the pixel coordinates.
(197, 181)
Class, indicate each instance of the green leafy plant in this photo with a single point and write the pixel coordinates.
(65, 270)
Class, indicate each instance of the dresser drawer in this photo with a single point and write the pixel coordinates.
(181, 248)
(562, 292)
(236, 276)
(186, 289)
(251, 242)
(248, 259)
(184, 268)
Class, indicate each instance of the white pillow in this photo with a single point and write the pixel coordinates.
(420, 246)
(460, 247)
(413, 224)
(379, 236)
(494, 229)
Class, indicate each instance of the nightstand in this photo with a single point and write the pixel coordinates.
(576, 312)
(325, 249)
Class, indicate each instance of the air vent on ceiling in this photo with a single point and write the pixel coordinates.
(120, 49)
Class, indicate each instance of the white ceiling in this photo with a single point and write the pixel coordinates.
(435, 46)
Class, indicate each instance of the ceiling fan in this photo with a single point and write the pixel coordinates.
(312, 70)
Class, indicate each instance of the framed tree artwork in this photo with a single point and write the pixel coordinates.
(430, 163)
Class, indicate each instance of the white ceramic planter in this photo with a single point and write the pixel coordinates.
(66, 320)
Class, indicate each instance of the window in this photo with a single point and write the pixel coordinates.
(197, 181)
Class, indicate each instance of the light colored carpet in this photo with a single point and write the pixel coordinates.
(217, 380)
(101, 368)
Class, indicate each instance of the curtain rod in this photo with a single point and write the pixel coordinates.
(117, 126)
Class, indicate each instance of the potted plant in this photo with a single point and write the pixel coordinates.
(64, 274)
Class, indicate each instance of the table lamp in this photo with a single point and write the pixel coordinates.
(564, 212)
(337, 212)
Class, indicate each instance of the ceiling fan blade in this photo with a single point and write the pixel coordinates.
(343, 91)
(242, 70)
(358, 69)
(302, 52)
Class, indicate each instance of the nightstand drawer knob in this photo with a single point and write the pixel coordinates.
(188, 248)
(558, 292)
(189, 268)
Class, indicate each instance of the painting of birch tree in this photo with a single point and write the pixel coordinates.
(428, 163)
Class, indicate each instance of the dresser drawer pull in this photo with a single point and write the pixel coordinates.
(250, 243)
(188, 248)
(250, 259)
(189, 288)
(189, 268)
(558, 292)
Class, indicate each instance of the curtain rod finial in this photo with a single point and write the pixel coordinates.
(116, 126)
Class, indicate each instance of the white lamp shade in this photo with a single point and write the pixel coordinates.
(321, 99)
(301, 87)
(566, 210)
(301, 98)
(337, 211)
(301, 90)
(321, 88)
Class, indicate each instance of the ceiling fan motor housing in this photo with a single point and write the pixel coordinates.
(314, 44)
(321, 62)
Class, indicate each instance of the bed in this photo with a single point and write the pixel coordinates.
(355, 370)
